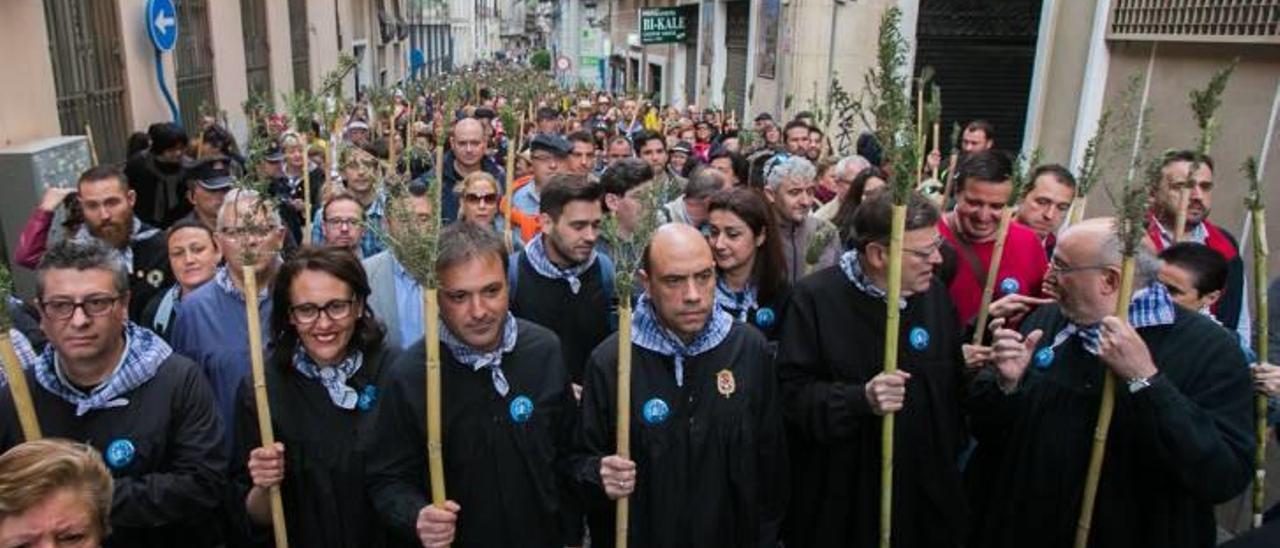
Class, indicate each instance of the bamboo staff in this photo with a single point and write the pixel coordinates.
(937, 145)
(509, 191)
(93, 150)
(1203, 105)
(951, 164)
(622, 525)
(18, 388)
(431, 306)
(1089, 171)
(306, 187)
(1258, 235)
(260, 394)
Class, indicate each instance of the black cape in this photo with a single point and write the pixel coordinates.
(580, 320)
(1174, 450)
(832, 343)
(506, 465)
(325, 501)
(169, 489)
(711, 470)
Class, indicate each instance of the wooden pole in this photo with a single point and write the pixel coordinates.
(1105, 410)
(93, 150)
(18, 388)
(306, 187)
(624, 412)
(1260, 345)
(937, 144)
(1184, 197)
(509, 191)
(260, 394)
(1077, 209)
(892, 320)
(920, 148)
(993, 272)
(951, 176)
(435, 447)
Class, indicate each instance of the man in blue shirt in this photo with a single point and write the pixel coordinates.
(211, 327)
(397, 297)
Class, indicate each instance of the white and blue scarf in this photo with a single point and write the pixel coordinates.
(536, 251)
(333, 378)
(477, 360)
(853, 270)
(144, 352)
(648, 333)
(739, 304)
(1150, 306)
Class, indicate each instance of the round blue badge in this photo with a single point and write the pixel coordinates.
(1044, 358)
(919, 338)
(119, 453)
(367, 397)
(656, 411)
(765, 317)
(521, 409)
(1010, 285)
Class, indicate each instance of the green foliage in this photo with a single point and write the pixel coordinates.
(886, 108)
(1253, 199)
(540, 60)
(1131, 134)
(6, 289)
(628, 249)
(414, 243)
(821, 238)
(332, 82)
(302, 109)
(1023, 165)
(1090, 166)
(1205, 102)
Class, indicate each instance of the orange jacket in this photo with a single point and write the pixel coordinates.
(527, 222)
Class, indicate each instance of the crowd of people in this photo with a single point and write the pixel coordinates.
(757, 387)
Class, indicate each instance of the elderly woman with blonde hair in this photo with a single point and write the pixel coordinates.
(481, 198)
(54, 493)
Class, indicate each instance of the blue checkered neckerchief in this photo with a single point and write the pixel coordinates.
(223, 278)
(648, 333)
(853, 270)
(536, 251)
(333, 378)
(1149, 307)
(477, 359)
(144, 352)
(27, 357)
(737, 303)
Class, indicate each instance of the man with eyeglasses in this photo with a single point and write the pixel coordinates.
(108, 382)
(508, 417)
(343, 224)
(1180, 440)
(359, 177)
(983, 188)
(834, 391)
(211, 327)
(548, 155)
(468, 152)
(1175, 177)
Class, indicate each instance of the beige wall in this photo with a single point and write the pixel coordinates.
(281, 50)
(28, 98)
(1065, 78)
(322, 30)
(1246, 104)
(230, 83)
(146, 104)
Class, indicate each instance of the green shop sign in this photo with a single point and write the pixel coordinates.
(667, 25)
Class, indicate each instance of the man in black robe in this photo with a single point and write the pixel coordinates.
(560, 281)
(1180, 440)
(119, 387)
(708, 462)
(507, 416)
(831, 361)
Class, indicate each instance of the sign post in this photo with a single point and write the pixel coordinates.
(162, 28)
(666, 25)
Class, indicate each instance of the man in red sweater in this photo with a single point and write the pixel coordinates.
(983, 188)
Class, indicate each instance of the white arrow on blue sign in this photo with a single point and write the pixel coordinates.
(162, 24)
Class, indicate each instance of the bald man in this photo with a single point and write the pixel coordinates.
(708, 464)
(1180, 439)
(467, 154)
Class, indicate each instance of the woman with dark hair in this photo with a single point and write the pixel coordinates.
(751, 283)
(194, 258)
(863, 185)
(323, 379)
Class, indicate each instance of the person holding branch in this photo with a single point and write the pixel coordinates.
(835, 391)
(707, 463)
(1182, 421)
(323, 377)
(120, 388)
(507, 417)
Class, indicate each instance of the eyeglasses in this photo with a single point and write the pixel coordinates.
(926, 252)
(62, 309)
(336, 309)
(487, 199)
(343, 222)
(1058, 269)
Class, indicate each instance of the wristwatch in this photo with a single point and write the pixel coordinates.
(1138, 383)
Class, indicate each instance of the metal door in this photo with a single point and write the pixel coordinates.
(193, 62)
(299, 38)
(257, 51)
(88, 72)
(737, 22)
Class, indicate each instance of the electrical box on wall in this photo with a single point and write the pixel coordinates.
(29, 168)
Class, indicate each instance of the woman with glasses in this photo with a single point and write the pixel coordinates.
(750, 284)
(323, 380)
(481, 202)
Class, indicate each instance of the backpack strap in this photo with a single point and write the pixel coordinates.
(513, 275)
(608, 275)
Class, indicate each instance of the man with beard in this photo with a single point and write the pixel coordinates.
(1181, 439)
(156, 176)
(108, 205)
(652, 149)
(507, 417)
(1045, 205)
(115, 385)
(559, 280)
(789, 187)
(983, 186)
(835, 392)
(708, 461)
(359, 171)
(1175, 176)
(796, 138)
(468, 152)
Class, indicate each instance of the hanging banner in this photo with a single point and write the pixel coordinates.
(667, 25)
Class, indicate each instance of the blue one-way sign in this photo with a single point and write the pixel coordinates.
(162, 24)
